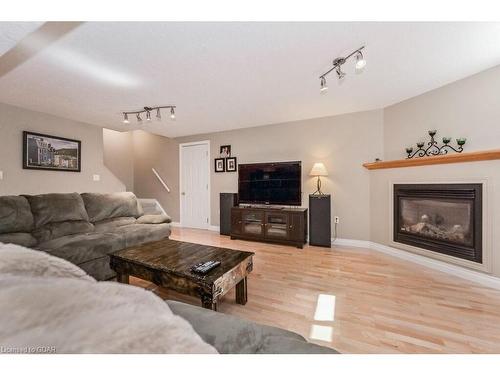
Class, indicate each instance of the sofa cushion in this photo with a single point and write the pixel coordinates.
(107, 206)
(51, 231)
(154, 219)
(233, 335)
(80, 248)
(54, 208)
(19, 238)
(108, 225)
(15, 214)
(137, 234)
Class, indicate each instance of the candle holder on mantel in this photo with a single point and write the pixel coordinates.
(433, 149)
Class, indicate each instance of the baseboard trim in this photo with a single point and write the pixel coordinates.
(351, 243)
(214, 228)
(463, 273)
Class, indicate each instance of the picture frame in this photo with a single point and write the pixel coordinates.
(219, 165)
(51, 153)
(225, 151)
(231, 164)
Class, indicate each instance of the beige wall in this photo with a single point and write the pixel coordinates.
(162, 154)
(466, 108)
(119, 155)
(14, 120)
(343, 143)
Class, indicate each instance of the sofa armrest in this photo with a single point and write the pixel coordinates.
(154, 219)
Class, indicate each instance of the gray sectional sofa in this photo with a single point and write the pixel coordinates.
(81, 228)
(84, 228)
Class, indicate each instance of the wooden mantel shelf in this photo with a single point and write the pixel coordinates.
(440, 159)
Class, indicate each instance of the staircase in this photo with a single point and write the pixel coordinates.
(151, 206)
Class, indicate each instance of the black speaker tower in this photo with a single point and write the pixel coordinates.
(227, 201)
(320, 220)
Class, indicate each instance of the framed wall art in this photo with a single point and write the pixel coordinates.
(49, 152)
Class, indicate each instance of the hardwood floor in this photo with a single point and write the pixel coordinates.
(358, 301)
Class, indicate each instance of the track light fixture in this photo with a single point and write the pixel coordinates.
(148, 111)
(337, 67)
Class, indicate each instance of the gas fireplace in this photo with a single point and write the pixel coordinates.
(444, 218)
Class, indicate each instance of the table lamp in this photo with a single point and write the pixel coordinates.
(318, 170)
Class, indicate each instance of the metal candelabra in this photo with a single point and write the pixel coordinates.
(432, 147)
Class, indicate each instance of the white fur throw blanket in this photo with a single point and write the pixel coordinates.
(49, 305)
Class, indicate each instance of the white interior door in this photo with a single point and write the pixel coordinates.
(195, 184)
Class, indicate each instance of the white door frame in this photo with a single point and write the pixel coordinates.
(181, 145)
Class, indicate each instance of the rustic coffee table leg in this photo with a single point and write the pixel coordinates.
(122, 278)
(241, 292)
(207, 302)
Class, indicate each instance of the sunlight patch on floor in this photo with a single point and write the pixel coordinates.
(322, 333)
(325, 308)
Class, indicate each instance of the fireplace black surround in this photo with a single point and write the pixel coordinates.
(444, 218)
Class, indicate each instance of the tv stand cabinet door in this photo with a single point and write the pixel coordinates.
(277, 225)
(296, 228)
(252, 223)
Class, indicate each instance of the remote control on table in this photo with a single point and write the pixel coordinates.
(203, 268)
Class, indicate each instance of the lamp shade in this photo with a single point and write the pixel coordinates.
(318, 169)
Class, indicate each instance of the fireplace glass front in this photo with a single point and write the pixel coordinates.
(445, 218)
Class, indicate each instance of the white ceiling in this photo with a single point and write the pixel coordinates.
(234, 75)
(13, 32)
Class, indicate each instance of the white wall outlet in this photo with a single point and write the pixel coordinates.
(1, 175)
(96, 177)
(336, 219)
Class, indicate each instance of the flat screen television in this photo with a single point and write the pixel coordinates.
(270, 183)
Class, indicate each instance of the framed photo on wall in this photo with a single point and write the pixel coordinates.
(231, 164)
(49, 152)
(225, 151)
(219, 165)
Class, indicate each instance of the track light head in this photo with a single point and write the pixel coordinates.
(148, 116)
(323, 86)
(125, 119)
(158, 114)
(360, 62)
(139, 119)
(172, 113)
(340, 73)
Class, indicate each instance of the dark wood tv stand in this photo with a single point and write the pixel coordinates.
(287, 226)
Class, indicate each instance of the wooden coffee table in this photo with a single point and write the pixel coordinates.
(167, 263)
